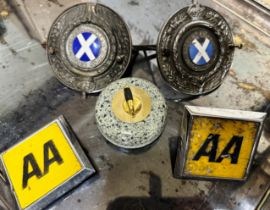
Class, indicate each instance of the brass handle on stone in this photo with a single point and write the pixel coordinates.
(132, 105)
(129, 100)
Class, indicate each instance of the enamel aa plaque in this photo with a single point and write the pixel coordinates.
(44, 166)
(218, 143)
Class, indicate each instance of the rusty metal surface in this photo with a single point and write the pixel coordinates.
(31, 96)
(38, 15)
(263, 3)
(247, 11)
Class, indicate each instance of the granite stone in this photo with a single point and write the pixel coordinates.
(131, 135)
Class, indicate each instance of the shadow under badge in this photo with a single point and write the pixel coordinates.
(156, 201)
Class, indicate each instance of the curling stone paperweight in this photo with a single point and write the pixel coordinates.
(131, 113)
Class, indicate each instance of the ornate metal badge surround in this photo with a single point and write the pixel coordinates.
(114, 35)
(172, 59)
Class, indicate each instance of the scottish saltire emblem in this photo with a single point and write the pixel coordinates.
(201, 51)
(86, 46)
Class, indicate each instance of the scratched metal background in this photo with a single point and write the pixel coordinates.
(30, 97)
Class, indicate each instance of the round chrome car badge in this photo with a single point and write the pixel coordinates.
(131, 113)
(89, 46)
(195, 50)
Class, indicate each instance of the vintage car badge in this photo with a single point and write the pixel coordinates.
(218, 143)
(131, 113)
(88, 47)
(195, 50)
(45, 166)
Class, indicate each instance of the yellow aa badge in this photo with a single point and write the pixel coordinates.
(218, 143)
(45, 165)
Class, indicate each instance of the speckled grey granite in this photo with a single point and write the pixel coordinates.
(131, 135)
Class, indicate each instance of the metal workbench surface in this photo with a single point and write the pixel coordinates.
(31, 96)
